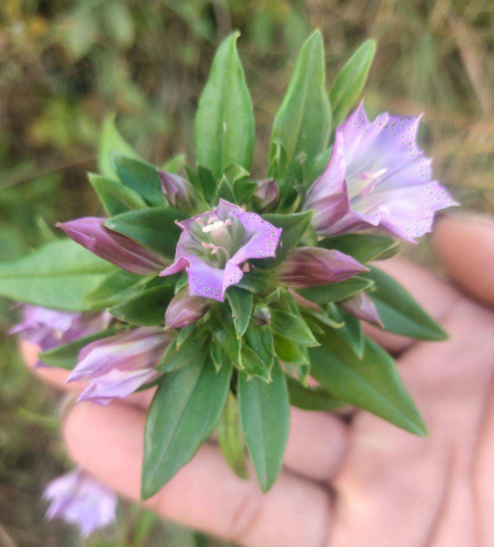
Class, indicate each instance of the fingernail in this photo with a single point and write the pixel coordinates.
(471, 217)
(66, 404)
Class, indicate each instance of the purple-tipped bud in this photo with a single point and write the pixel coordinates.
(79, 499)
(309, 267)
(180, 193)
(118, 249)
(361, 306)
(185, 309)
(116, 366)
(267, 194)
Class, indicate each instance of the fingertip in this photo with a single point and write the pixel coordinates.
(53, 376)
(464, 244)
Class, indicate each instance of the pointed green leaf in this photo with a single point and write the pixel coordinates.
(224, 333)
(292, 327)
(146, 309)
(363, 247)
(351, 80)
(224, 124)
(114, 196)
(112, 141)
(175, 164)
(182, 415)
(308, 398)
(288, 352)
(59, 275)
(231, 438)
(336, 291)
(371, 383)
(155, 228)
(399, 312)
(115, 288)
(265, 417)
(141, 177)
(294, 227)
(67, 355)
(241, 302)
(191, 351)
(303, 122)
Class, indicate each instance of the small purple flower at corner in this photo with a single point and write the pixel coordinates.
(377, 177)
(51, 328)
(80, 499)
(117, 366)
(214, 245)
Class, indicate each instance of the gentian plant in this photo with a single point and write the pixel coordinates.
(235, 297)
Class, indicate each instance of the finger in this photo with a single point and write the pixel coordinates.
(465, 245)
(205, 494)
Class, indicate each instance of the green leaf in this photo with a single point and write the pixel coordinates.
(351, 331)
(292, 327)
(303, 122)
(224, 191)
(59, 275)
(114, 196)
(253, 283)
(207, 182)
(289, 352)
(265, 417)
(259, 339)
(225, 334)
(115, 288)
(253, 365)
(141, 177)
(182, 415)
(399, 312)
(351, 80)
(112, 141)
(294, 227)
(191, 351)
(371, 382)
(242, 303)
(362, 247)
(147, 309)
(175, 164)
(308, 398)
(231, 438)
(67, 355)
(224, 124)
(336, 291)
(154, 228)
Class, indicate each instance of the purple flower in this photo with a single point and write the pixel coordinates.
(118, 249)
(118, 365)
(185, 309)
(79, 499)
(307, 267)
(267, 194)
(213, 245)
(377, 177)
(50, 328)
(361, 306)
(180, 193)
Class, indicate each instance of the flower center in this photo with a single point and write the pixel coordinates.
(219, 239)
(364, 183)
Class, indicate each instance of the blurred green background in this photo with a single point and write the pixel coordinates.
(65, 64)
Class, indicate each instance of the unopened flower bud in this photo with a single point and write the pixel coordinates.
(185, 309)
(180, 193)
(267, 194)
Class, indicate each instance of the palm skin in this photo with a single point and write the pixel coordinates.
(364, 483)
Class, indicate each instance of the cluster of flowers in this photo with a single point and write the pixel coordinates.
(376, 179)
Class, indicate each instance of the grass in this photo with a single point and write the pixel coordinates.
(64, 64)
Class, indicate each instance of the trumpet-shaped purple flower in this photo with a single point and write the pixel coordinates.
(50, 328)
(116, 366)
(308, 267)
(118, 249)
(377, 177)
(79, 499)
(185, 309)
(180, 193)
(361, 306)
(214, 245)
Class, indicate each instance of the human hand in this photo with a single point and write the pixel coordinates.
(365, 483)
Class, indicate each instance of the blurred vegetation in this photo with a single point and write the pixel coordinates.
(64, 64)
